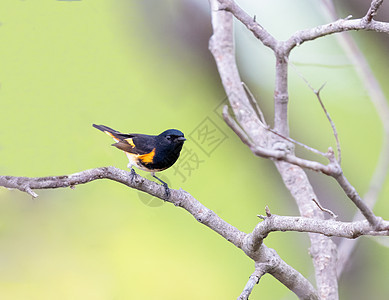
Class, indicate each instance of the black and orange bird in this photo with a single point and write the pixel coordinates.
(150, 153)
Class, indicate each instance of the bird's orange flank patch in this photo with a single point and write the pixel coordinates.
(148, 157)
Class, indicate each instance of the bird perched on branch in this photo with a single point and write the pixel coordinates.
(150, 153)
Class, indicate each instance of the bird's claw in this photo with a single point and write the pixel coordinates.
(167, 190)
(133, 174)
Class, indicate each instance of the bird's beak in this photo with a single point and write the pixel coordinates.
(181, 138)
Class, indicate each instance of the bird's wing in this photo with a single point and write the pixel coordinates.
(136, 143)
(132, 143)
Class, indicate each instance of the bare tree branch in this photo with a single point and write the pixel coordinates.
(352, 193)
(299, 186)
(260, 270)
(281, 50)
(293, 177)
(330, 228)
(221, 45)
(366, 23)
(283, 155)
(180, 198)
(222, 48)
(341, 25)
(323, 250)
(349, 230)
(333, 168)
(275, 144)
(374, 6)
(377, 96)
(250, 22)
(288, 276)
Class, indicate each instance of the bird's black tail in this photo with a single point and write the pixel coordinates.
(105, 128)
(111, 132)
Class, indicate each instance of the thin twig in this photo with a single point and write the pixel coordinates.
(254, 104)
(330, 212)
(260, 270)
(260, 115)
(267, 210)
(317, 93)
(289, 139)
(372, 12)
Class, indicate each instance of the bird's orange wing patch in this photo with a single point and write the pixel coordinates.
(111, 135)
(147, 158)
(130, 142)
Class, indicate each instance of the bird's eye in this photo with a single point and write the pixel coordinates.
(169, 137)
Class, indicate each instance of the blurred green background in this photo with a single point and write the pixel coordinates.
(144, 66)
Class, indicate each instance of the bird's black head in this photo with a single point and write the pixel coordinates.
(173, 136)
(169, 145)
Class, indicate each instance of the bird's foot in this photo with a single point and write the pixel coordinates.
(167, 190)
(133, 174)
